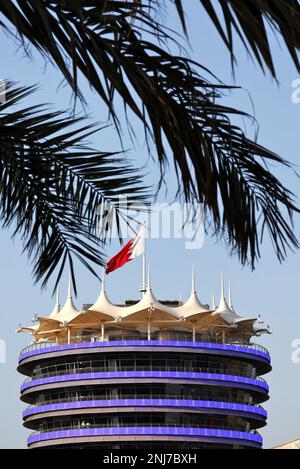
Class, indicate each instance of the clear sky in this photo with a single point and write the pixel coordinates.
(272, 290)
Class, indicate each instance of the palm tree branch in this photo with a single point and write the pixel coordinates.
(175, 103)
(51, 186)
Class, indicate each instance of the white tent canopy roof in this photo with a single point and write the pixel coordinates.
(68, 311)
(191, 307)
(148, 305)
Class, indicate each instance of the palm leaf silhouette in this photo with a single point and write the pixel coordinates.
(55, 190)
(121, 49)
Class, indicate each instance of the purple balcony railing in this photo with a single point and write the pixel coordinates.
(178, 403)
(193, 433)
(252, 350)
(194, 377)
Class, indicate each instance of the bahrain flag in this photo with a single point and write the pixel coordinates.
(135, 247)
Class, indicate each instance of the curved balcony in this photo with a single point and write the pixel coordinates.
(89, 367)
(121, 339)
(47, 350)
(163, 404)
(225, 435)
(256, 384)
(202, 396)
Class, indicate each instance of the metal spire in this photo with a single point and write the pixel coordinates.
(223, 304)
(143, 287)
(56, 308)
(57, 296)
(230, 296)
(149, 283)
(222, 288)
(213, 300)
(70, 286)
(193, 280)
(103, 282)
(57, 305)
(144, 273)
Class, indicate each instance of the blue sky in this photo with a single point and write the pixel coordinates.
(271, 290)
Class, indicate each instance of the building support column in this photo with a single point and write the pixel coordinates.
(194, 332)
(223, 336)
(102, 332)
(69, 335)
(149, 329)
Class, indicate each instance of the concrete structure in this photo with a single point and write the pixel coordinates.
(149, 374)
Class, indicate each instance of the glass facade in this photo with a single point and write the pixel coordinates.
(160, 394)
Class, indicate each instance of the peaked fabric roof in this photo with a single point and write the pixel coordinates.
(192, 311)
(68, 311)
(193, 305)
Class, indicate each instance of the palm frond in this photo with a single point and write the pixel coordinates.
(52, 185)
(253, 21)
(177, 100)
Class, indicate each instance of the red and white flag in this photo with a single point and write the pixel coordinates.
(135, 247)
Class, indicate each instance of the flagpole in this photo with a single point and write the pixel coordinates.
(144, 271)
(144, 288)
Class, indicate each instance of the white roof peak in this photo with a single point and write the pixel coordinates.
(194, 301)
(193, 304)
(103, 304)
(223, 306)
(148, 297)
(69, 310)
(226, 310)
